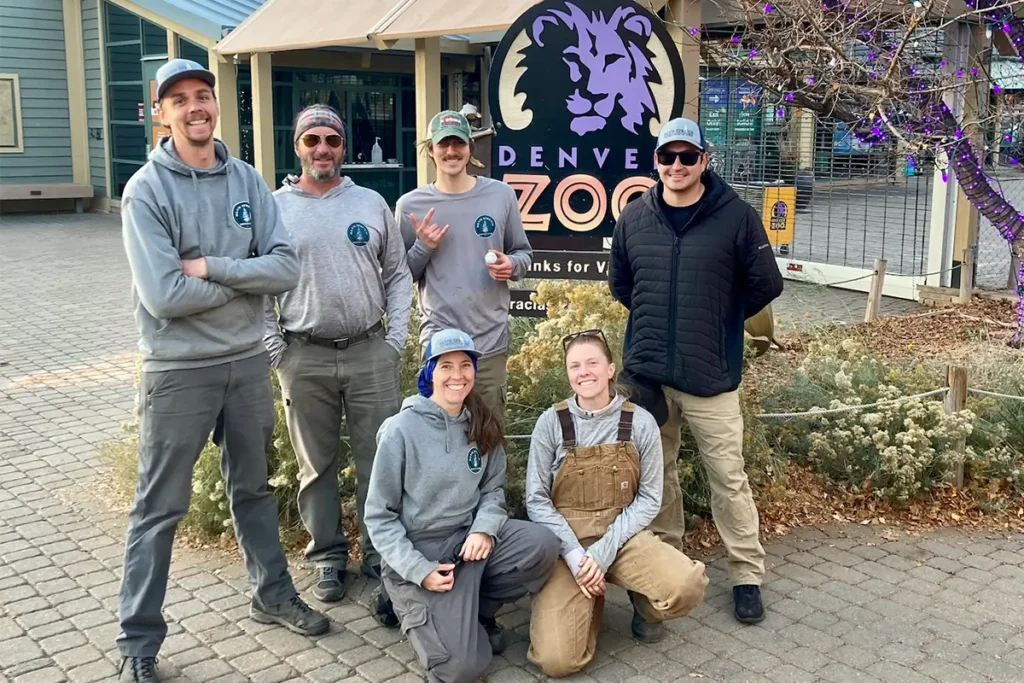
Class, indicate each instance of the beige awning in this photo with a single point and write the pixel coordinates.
(281, 25)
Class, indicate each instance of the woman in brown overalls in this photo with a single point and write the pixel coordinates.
(595, 479)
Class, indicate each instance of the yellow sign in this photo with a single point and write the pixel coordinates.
(779, 214)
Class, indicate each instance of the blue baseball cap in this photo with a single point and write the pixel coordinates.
(177, 69)
(681, 130)
(450, 340)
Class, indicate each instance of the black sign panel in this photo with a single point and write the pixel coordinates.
(522, 307)
(579, 90)
(569, 265)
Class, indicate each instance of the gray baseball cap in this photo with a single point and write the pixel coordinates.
(681, 130)
(178, 69)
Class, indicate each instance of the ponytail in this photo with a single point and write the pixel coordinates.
(485, 425)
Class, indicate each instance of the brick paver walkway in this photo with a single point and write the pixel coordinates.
(845, 604)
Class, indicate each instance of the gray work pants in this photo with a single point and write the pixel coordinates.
(178, 409)
(444, 628)
(319, 385)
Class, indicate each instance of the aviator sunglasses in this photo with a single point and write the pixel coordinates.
(687, 158)
(568, 339)
(310, 140)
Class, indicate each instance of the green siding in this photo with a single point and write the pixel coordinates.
(94, 96)
(32, 46)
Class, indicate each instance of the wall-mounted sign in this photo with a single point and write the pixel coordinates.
(778, 212)
(522, 306)
(569, 265)
(579, 90)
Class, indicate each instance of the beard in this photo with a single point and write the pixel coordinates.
(321, 175)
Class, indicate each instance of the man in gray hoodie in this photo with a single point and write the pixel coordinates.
(329, 344)
(205, 245)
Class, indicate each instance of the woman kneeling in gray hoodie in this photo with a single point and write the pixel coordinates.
(436, 513)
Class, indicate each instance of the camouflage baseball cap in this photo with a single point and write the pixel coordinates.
(449, 124)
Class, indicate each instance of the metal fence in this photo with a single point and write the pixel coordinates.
(853, 203)
(993, 265)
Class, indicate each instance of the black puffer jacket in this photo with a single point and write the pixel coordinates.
(689, 293)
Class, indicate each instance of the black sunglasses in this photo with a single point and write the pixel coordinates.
(570, 338)
(687, 158)
(310, 140)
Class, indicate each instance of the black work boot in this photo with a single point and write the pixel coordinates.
(383, 609)
(295, 615)
(138, 670)
(330, 584)
(496, 635)
(748, 606)
(643, 630)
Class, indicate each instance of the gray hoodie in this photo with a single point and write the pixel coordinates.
(428, 476)
(353, 266)
(455, 288)
(593, 428)
(171, 211)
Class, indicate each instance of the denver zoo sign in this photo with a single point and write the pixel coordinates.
(579, 90)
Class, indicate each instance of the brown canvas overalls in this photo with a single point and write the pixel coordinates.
(592, 487)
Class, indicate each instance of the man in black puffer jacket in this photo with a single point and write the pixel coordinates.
(691, 261)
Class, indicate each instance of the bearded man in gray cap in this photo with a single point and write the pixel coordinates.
(205, 244)
(328, 340)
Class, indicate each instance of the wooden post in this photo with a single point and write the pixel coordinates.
(966, 276)
(875, 293)
(679, 14)
(956, 400)
(223, 67)
(428, 99)
(263, 116)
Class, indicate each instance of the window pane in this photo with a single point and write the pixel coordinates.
(284, 154)
(246, 152)
(124, 102)
(373, 116)
(122, 172)
(154, 39)
(121, 25)
(283, 113)
(189, 50)
(244, 104)
(123, 62)
(128, 142)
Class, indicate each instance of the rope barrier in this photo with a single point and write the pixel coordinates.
(982, 392)
(849, 409)
(821, 412)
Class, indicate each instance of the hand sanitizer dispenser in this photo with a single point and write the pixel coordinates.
(377, 154)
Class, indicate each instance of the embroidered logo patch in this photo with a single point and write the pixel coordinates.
(484, 226)
(242, 213)
(474, 460)
(359, 234)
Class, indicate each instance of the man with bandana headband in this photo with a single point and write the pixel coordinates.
(336, 339)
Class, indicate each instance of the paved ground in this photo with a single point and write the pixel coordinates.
(845, 604)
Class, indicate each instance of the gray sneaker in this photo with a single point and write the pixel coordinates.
(138, 670)
(330, 584)
(295, 615)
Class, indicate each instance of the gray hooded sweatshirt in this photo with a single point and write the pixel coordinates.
(353, 267)
(427, 476)
(592, 429)
(455, 288)
(171, 211)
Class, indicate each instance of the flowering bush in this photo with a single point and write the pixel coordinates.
(897, 450)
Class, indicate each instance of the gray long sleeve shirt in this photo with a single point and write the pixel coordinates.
(592, 429)
(170, 212)
(428, 476)
(353, 267)
(455, 287)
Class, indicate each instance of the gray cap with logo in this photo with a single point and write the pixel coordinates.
(179, 69)
(681, 130)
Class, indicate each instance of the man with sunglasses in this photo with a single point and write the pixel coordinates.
(463, 268)
(329, 343)
(691, 261)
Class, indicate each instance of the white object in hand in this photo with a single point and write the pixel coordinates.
(491, 258)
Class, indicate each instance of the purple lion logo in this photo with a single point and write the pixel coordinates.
(609, 65)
